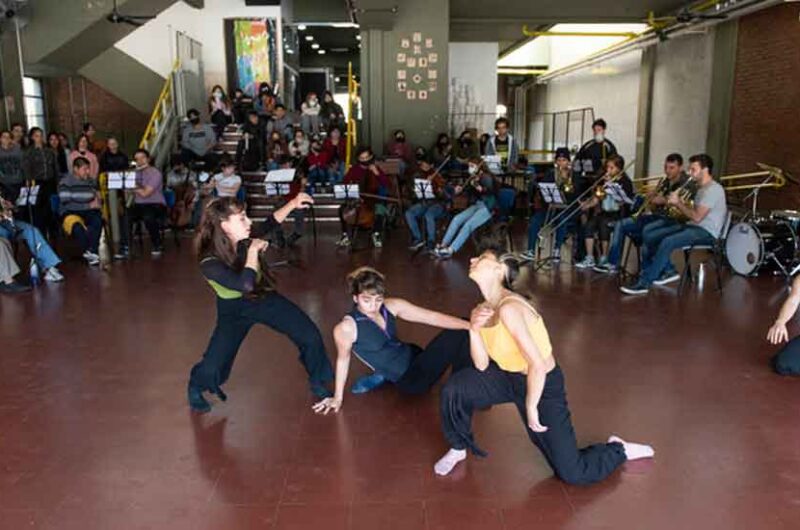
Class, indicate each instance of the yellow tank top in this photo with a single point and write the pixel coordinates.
(503, 349)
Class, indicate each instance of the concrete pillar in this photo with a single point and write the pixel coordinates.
(722, 76)
(417, 103)
(646, 74)
(12, 107)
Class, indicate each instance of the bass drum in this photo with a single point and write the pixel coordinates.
(751, 246)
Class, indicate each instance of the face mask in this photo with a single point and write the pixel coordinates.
(400, 138)
(473, 170)
(194, 120)
(367, 162)
(313, 102)
(218, 94)
(599, 137)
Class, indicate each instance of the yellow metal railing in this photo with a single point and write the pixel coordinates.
(162, 104)
(352, 100)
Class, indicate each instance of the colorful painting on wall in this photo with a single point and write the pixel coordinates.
(256, 53)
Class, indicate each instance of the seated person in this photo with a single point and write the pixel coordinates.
(787, 360)
(603, 209)
(317, 161)
(399, 148)
(332, 113)
(280, 122)
(79, 209)
(368, 210)
(242, 103)
(335, 147)
(198, 141)
(442, 151)
(220, 108)
(251, 150)
(465, 148)
(148, 203)
(183, 184)
(656, 218)
(309, 114)
(706, 221)
(11, 229)
(369, 331)
(566, 221)
(482, 188)
(430, 209)
(298, 147)
(226, 183)
(276, 150)
(9, 269)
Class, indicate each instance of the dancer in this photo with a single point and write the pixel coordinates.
(787, 360)
(514, 364)
(246, 295)
(370, 332)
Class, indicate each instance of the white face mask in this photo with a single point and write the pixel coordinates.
(217, 94)
(312, 102)
(473, 170)
(599, 137)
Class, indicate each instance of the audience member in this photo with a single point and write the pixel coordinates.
(198, 141)
(227, 183)
(298, 148)
(80, 209)
(220, 109)
(280, 122)
(332, 113)
(250, 152)
(83, 150)
(276, 150)
(336, 149)
(309, 117)
(317, 162)
(242, 103)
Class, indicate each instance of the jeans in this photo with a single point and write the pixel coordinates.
(653, 234)
(336, 172)
(235, 318)
(470, 389)
(318, 175)
(787, 360)
(688, 235)
(633, 228)
(464, 224)
(37, 244)
(89, 236)
(432, 212)
(535, 226)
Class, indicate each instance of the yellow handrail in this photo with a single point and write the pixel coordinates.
(352, 96)
(158, 110)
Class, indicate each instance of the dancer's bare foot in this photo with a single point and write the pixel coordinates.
(446, 464)
(634, 451)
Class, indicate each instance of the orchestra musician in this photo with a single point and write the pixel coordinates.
(589, 161)
(367, 212)
(430, 209)
(706, 218)
(562, 174)
(654, 214)
(603, 209)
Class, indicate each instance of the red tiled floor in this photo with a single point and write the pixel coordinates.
(96, 433)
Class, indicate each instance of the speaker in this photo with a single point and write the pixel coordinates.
(262, 2)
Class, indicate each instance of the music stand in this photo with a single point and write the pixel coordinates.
(552, 196)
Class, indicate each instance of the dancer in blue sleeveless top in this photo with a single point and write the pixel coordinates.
(370, 332)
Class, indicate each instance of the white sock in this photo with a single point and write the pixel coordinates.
(634, 451)
(446, 464)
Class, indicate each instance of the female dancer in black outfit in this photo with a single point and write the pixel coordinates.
(232, 264)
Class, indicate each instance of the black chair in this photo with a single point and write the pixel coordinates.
(717, 250)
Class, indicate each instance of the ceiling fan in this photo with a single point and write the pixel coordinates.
(115, 17)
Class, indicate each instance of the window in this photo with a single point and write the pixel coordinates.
(34, 102)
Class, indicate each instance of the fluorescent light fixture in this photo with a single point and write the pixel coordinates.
(315, 46)
(321, 52)
(337, 79)
(358, 37)
(301, 27)
(309, 38)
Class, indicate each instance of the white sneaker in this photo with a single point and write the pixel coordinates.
(528, 255)
(664, 280)
(376, 240)
(344, 241)
(91, 258)
(587, 263)
(53, 275)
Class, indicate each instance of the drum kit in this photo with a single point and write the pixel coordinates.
(764, 243)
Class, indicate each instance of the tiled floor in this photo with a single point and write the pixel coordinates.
(96, 433)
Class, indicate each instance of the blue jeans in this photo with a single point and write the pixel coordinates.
(432, 212)
(336, 172)
(318, 175)
(687, 235)
(633, 228)
(535, 226)
(653, 234)
(37, 244)
(464, 224)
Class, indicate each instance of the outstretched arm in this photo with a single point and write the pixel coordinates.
(407, 311)
(778, 332)
(344, 335)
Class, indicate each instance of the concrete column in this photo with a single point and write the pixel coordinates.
(12, 107)
(385, 105)
(722, 76)
(646, 74)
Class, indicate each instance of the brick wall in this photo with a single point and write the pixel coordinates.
(109, 114)
(765, 113)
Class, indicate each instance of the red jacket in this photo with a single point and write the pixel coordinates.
(320, 159)
(334, 151)
(369, 182)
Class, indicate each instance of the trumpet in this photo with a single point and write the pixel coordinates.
(648, 202)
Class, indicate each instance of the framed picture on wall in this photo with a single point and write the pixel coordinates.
(417, 49)
(405, 43)
(411, 94)
(417, 36)
(411, 62)
(429, 43)
(401, 74)
(432, 85)
(423, 62)
(423, 94)
(401, 86)
(433, 58)
(401, 57)
(432, 74)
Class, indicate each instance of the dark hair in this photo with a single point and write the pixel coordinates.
(5, 131)
(86, 126)
(500, 120)
(599, 122)
(617, 160)
(212, 242)
(495, 241)
(398, 131)
(226, 161)
(366, 280)
(252, 112)
(143, 151)
(32, 130)
(280, 106)
(18, 124)
(80, 162)
(705, 161)
(675, 158)
(78, 141)
(334, 128)
(191, 112)
(364, 149)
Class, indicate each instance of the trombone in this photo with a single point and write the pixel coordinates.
(775, 178)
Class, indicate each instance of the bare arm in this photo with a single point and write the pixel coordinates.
(344, 334)
(513, 317)
(477, 348)
(407, 311)
(301, 201)
(778, 332)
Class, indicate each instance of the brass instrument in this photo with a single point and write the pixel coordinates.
(564, 181)
(648, 201)
(776, 178)
(600, 191)
(686, 193)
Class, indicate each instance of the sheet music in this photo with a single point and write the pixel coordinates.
(280, 175)
(493, 162)
(28, 196)
(423, 189)
(615, 190)
(119, 180)
(551, 193)
(203, 177)
(345, 191)
(276, 189)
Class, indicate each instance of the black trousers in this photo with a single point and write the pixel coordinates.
(89, 237)
(234, 320)
(787, 360)
(450, 348)
(470, 389)
(153, 216)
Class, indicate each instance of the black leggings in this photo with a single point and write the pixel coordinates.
(448, 348)
(599, 225)
(234, 320)
(471, 389)
(153, 216)
(787, 360)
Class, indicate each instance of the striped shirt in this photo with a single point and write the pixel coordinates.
(76, 195)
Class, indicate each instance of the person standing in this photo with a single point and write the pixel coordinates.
(502, 144)
(39, 166)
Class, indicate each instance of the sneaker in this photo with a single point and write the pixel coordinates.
(14, 287)
(367, 383)
(157, 251)
(587, 263)
(53, 275)
(603, 261)
(376, 240)
(196, 400)
(605, 268)
(122, 254)
(444, 252)
(91, 258)
(668, 277)
(528, 255)
(637, 288)
(344, 241)
(416, 246)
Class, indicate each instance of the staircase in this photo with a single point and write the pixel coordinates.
(259, 206)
